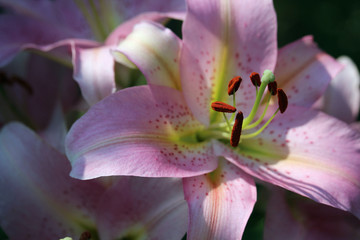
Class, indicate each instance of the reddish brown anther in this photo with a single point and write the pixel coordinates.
(283, 100)
(85, 236)
(272, 88)
(222, 107)
(236, 130)
(255, 79)
(234, 85)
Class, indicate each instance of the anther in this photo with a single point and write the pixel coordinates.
(282, 99)
(272, 88)
(222, 107)
(255, 79)
(234, 85)
(236, 130)
(85, 236)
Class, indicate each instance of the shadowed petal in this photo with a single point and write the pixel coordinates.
(304, 71)
(139, 131)
(143, 208)
(307, 152)
(223, 39)
(342, 97)
(154, 49)
(35, 105)
(39, 200)
(94, 72)
(306, 219)
(220, 203)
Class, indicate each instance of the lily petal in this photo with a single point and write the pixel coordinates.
(126, 28)
(56, 130)
(34, 177)
(342, 97)
(302, 63)
(94, 72)
(222, 39)
(220, 203)
(35, 104)
(155, 50)
(140, 131)
(306, 219)
(306, 152)
(151, 208)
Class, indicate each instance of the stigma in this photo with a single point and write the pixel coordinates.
(232, 129)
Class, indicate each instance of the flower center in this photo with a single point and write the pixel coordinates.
(231, 129)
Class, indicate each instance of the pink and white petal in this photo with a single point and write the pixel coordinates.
(342, 97)
(61, 51)
(94, 72)
(140, 131)
(64, 16)
(148, 208)
(38, 196)
(124, 29)
(155, 51)
(304, 71)
(31, 33)
(223, 39)
(306, 152)
(306, 219)
(220, 203)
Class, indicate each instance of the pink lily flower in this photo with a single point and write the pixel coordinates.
(41, 201)
(168, 128)
(78, 33)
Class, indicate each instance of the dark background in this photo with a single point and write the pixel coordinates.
(335, 25)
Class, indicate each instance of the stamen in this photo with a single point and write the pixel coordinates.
(255, 79)
(262, 115)
(234, 85)
(254, 134)
(236, 131)
(273, 88)
(85, 236)
(222, 107)
(282, 99)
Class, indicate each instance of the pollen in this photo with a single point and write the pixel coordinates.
(236, 130)
(222, 107)
(255, 79)
(282, 99)
(272, 88)
(234, 85)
